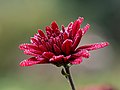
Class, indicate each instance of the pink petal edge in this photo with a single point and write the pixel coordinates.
(94, 46)
(29, 62)
(76, 61)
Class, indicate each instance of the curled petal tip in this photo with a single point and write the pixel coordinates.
(29, 62)
(54, 25)
(22, 46)
(23, 64)
(81, 19)
(88, 25)
(107, 43)
(40, 32)
(97, 46)
(85, 29)
(26, 63)
(103, 44)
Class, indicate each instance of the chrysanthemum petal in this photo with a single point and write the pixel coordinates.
(42, 48)
(65, 36)
(82, 53)
(56, 58)
(93, 46)
(76, 61)
(22, 46)
(34, 41)
(27, 52)
(43, 42)
(49, 46)
(59, 41)
(63, 28)
(29, 62)
(66, 59)
(28, 46)
(54, 25)
(48, 28)
(85, 28)
(32, 52)
(47, 55)
(80, 19)
(69, 27)
(77, 39)
(56, 49)
(55, 29)
(30, 49)
(76, 25)
(41, 33)
(66, 46)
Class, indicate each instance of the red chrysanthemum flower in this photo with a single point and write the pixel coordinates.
(59, 47)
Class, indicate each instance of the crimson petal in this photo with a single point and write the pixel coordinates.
(56, 49)
(76, 25)
(34, 41)
(28, 46)
(85, 28)
(77, 39)
(63, 28)
(41, 33)
(82, 53)
(66, 46)
(47, 55)
(32, 52)
(56, 58)
(76, 61)
(93, 46)
(29, 62)
(55, 28)
(54, 25)
(65, 36)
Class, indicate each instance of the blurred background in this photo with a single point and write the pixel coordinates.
(20, 19)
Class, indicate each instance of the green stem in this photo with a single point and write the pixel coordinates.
(69, 77)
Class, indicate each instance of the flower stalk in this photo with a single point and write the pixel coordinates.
(69, 77)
